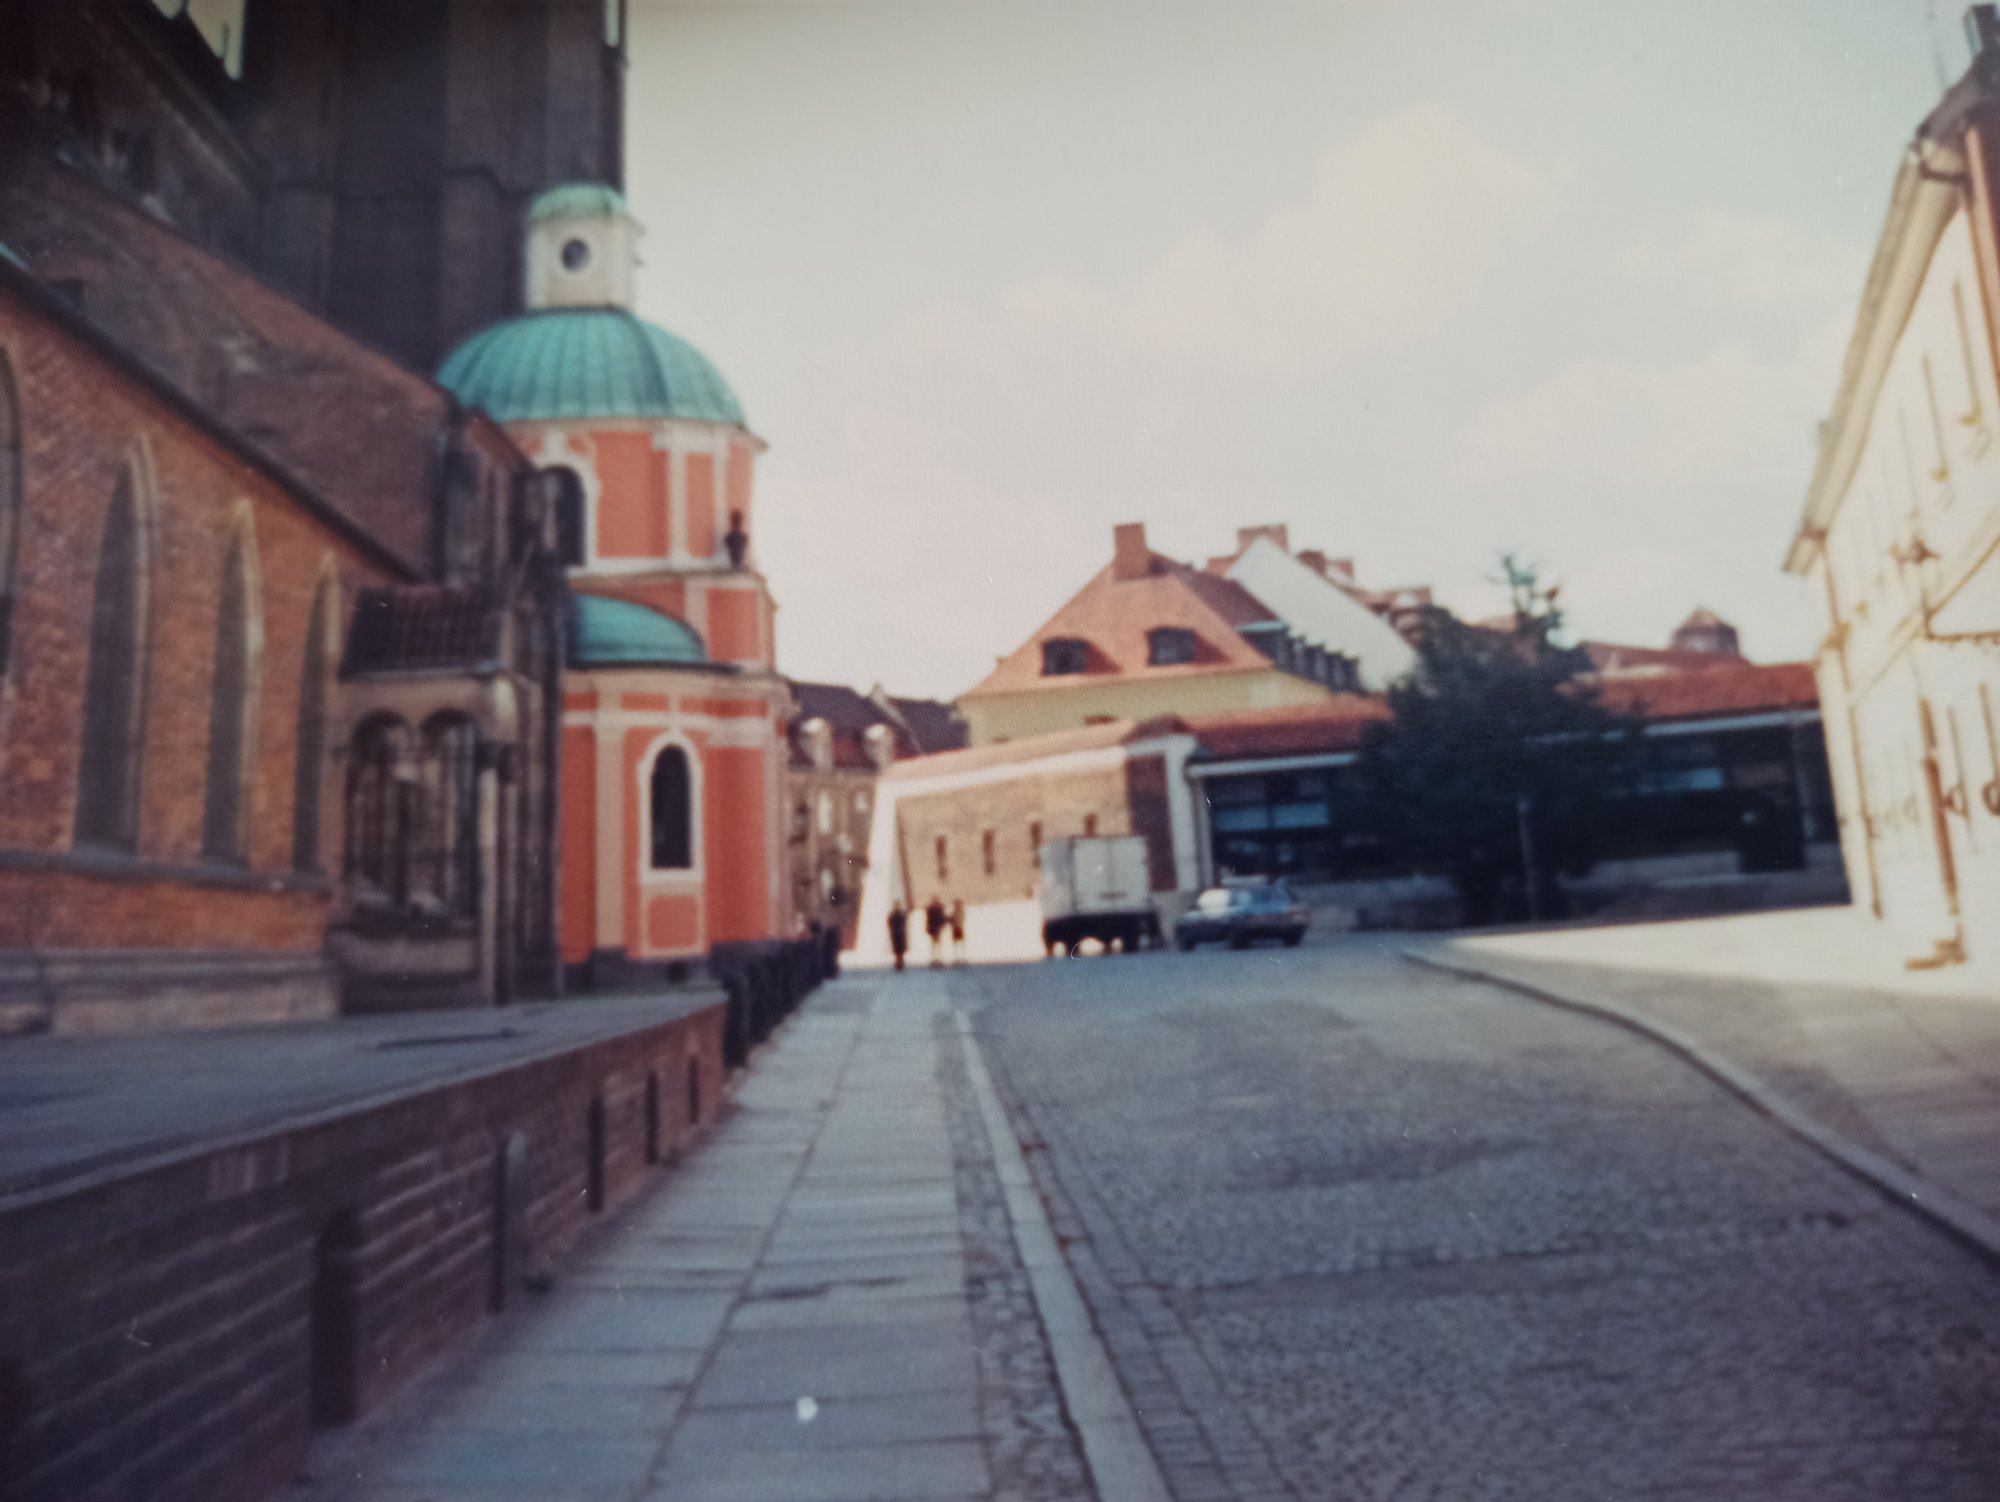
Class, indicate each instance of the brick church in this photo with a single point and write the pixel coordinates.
(284, 621)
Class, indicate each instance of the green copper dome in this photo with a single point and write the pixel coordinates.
(569, 363)
(577, 201)
(617, 633)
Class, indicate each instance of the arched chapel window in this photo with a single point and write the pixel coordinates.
(232, 705)
(309, 769)
(566, 500)
(672, 811)
(10, 507)
(114, 694)
(384, 810)
(451, 753)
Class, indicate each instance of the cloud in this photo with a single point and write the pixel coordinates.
(1399, 231)
(897, 558)
(1744, 258)
(1618, 422)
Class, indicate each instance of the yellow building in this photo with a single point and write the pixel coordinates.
(1149, 636)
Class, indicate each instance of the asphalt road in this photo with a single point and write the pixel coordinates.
(1355, 1230)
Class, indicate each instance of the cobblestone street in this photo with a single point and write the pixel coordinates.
(1352, 1229)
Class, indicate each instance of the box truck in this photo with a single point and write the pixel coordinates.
(1097, 887)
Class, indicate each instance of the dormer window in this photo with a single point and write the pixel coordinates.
(1064, 655)
(1169, 646)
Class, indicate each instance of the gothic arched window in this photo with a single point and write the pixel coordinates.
(309, 767)
(114, 693)
(10, 506)
(384, 810)
(232, 704)
(672, 812)
(567, 501)
(451, 753)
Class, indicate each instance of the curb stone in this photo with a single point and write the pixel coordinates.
(1970, 1227)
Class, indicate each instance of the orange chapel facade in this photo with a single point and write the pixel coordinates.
(673, 721)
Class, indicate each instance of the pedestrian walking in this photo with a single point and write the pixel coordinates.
(958, 931)
(935, 920)
(899, 933)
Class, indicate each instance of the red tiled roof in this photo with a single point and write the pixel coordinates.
(1113, 616)
(1715, 690)
(1728, 689)
(1290, 730)
(1615, 657)
(1035, 747)
(351, 422)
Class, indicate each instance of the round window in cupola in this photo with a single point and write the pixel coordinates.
(575, 255)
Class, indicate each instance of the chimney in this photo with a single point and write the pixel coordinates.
(1247, 535)
(1130, 557)
(1313, 559)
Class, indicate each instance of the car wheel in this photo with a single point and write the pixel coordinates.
(1186, 946)
(1239, 941)
(1292, 939)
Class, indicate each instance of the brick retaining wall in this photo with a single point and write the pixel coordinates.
(167, 1331)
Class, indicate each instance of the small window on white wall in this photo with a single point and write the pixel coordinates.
(1970, 366)
(826, 813)
(1940, 464)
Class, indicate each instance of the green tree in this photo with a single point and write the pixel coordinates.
(1498, 766)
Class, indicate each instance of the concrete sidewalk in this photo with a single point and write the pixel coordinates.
(820, 1305)
(1905, 1065)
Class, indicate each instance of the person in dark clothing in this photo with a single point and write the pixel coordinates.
(899, 933)
(934, 922)
(958, 931)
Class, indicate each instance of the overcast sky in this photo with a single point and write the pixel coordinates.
(1425, 279)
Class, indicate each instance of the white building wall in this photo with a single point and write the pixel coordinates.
(1907, 583)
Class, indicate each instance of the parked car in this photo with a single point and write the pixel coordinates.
(1241, 914)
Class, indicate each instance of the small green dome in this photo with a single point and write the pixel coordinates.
(570, 363)
(604, 632)
(577, 201)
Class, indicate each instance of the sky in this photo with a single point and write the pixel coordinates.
(1429, 281)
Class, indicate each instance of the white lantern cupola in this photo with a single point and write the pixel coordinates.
(583, 249)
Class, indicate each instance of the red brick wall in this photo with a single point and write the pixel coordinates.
(155, 1327)
(82, 419)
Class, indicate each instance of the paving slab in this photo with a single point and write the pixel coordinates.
(783, 1366)
(878, 1473)
(625, 1319)
(833, 1423)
